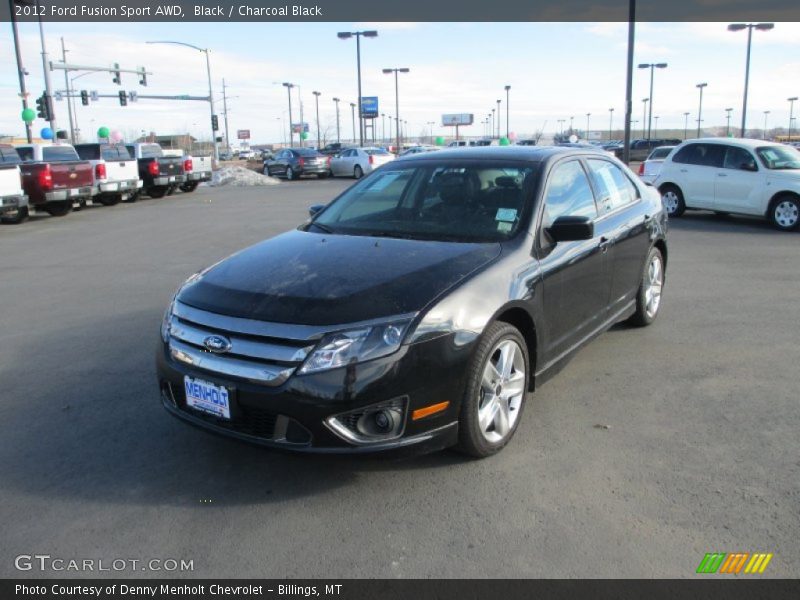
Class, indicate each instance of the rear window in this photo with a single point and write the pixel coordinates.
(89, 151)
(306, 152)
(150, 151)
(116, 153)
(59, 154)
(9, 156)
(660, 153)
(25, 154)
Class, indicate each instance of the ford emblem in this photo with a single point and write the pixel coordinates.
(217, 344)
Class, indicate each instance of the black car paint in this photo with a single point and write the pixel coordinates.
(287, 158)
(559, 295)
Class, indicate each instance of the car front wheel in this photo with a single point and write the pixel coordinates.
(648, 298)
(358, 172)
(495, 394)
(785, 212)
(290, 174)
(672, 198)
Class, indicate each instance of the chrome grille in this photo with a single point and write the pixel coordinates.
(265, 353)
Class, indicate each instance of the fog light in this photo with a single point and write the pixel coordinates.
(377, 423)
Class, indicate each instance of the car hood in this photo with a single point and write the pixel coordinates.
(784, 175)
(313, 279)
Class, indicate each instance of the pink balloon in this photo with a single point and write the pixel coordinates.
(512, 136)
(116, 136)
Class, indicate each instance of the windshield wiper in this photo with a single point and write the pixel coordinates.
(324, 228)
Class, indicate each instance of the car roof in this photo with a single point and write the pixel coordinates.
(743, 142)
(522, 153)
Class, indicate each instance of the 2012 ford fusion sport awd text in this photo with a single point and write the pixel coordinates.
(419, 308)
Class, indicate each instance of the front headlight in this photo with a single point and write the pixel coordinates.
(355, 346)
(165, 321)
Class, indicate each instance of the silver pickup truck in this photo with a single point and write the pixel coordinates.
(13, 201)
(115, 172)
(197, 168)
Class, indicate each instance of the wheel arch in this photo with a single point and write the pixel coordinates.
(522, 320)
(778, 195)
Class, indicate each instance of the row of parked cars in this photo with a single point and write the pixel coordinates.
(293, 163)
(55, 178)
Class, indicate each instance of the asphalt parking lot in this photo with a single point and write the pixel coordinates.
(653, 446)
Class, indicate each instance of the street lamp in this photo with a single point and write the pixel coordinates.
(316, 98)
(338, 137)
(289, 87)
(644, 115)
(210, 90)
(610, 122)
(749, 27)
(766, 112)
(344, 35)
(652, 67)
(508, 128)
(431, 124)
(587, 124)
(570, 124)
(498, 117)
(728, 126)
(397, 99)
(353, 114)
(656, 119)
(493, 123)
(685, 124)
(791, 100)
(700, 86)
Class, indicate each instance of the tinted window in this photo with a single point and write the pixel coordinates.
(151, 151)
(9, 156)
(568, 193)
(307, 152)
(59, 154)
(115, 153)
(88, 151)
(659, 153)
(614, 189)
(736, 157)
(25, 154)
(380, 151)
(706, 155)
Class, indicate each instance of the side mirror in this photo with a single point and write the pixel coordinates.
(748, 166)
(571, 229)
(314, 209)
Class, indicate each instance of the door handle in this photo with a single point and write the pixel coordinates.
(684, 170)
(722, 174)
(604, 244)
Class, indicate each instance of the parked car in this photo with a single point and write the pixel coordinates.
(54, 177)
(333, 148)
(585, 146)
(196, 168)
(13, 201)
(749, 177)
(160, 174)
(418, 150)
(356, 162)
(531, 142)
(115, 172)
(293, 163)
(640, 149)
(419, 307)
(648, 170)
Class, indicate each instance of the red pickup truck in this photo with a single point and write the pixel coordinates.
(54, 177)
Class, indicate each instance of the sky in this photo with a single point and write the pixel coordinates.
(555, 70)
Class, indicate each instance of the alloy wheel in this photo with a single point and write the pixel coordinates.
(671, 201)
(501, 391)
(653, 285)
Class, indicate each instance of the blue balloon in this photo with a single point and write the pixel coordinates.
(46, 133)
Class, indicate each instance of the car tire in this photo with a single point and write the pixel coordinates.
(158, 192)
(784, 212)
(18, 217)
(672, 199)
(110, 200)
(58, 209)
(133, 197)
(322, 175)
(490, 413)
(358, 172)
(290, 174)
(651, 285)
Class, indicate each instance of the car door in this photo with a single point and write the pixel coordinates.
(624, 221)
(739, 183)
(697, 165)
(338, 163)
(575, 282)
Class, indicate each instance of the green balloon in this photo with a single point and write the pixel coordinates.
(440, 141)
(103, 132)
(504, 141)
(304, 135)
(28, 115)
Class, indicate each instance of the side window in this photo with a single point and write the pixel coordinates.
(568, 193)
(737, 158)
(26, 154)
(614, 189)
(683, 155)
(704, 155)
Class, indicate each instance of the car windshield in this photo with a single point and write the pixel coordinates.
(778, 157)
(447, 202)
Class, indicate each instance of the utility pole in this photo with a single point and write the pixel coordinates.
(316, 97)
(48, 87)
(23, 92)
(69, 92)
(225, 108)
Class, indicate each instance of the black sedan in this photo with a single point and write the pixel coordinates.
(293, 163)
(419, 308)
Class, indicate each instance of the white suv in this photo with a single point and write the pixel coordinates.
(750, 177)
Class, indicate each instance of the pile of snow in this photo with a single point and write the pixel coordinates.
(240, 177)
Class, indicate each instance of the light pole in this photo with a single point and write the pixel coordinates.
(396, 99)
(338, 138)
(210, 89)
(644, 115)
(316, 98)
(561, 127)
(685, 125)
(652, 67)
(610, 122)
(498, 117)
(700, 86)
(344, 35)
(289, 87)
(570, 124)
(353, 113)
(491, 136)
(728, 126)
(749, 27)
(383, 128)
(766, 112)
(656, 120)
(791, 100)
(587, 124)
(431, 124)
(508, 127)
(21, 71)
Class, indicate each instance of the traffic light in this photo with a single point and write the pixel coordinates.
(44, 107)
(143, 80)
(214, 123)
(84, 97)
(117, 75)
(123, 98)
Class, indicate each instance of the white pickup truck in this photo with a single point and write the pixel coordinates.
(115, 172)
(13, 201)
(197, 168)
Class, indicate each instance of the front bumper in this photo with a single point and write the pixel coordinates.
(12, 203)
(201, 176)
(169, 180)
(426, 373)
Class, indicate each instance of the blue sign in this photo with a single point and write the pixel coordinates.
(369, 107)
